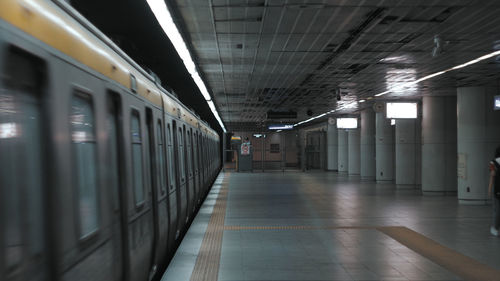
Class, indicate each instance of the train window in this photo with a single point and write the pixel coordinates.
(85, 162)
(161, 158)
(113, 147)
(135, 130)
(171, 163)
(182, 168)
(21, 157)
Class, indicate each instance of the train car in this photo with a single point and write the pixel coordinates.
(101, 169)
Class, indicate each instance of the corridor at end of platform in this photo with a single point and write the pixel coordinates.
(329, 226)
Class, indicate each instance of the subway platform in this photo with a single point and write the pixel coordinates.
(329, 226)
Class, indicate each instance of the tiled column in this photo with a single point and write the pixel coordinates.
(332, 147)
(439, 145)
(367, 143)
(343, 164)
(408, 153)
(354, 156)
(384, 148)
(478, 134)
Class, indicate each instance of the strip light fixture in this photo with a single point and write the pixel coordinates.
(166, 22)
(402, 86)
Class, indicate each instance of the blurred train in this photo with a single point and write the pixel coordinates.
(101, 169)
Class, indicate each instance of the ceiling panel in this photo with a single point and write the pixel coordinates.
(260, 55)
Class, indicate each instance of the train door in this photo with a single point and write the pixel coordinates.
(151, 167)
(195, 164)
(200, 166)
(23, 188)
(140, 212)
(160, 192)
(205, 163)
(116, 184)
(83, 208)
(172, 184)
(181, 176)
(189, 164)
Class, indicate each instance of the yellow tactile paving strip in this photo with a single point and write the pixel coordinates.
(291, 227)
(207, 262)
(461, 265)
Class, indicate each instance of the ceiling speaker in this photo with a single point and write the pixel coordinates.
(378, 107)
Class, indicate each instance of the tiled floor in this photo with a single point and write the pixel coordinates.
(322, 226)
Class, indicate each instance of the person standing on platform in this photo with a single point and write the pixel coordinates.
(494, 189)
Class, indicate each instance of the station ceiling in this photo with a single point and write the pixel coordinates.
(262, 55)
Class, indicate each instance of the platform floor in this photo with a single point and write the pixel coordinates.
(326, 226)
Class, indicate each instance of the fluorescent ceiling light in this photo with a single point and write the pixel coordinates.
(496, 105)
(401, 110)
(347, 123)
(280, 127)
(360, 101)
(8, 130)
(166, 22)
(481, 58)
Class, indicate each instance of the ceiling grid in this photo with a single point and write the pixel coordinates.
(262, 55)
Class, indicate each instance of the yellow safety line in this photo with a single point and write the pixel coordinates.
(464, 266)
(292, 227)
(207, 262)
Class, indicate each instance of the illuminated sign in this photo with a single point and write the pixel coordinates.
(401, 110)
(347, 123)
(235, 138)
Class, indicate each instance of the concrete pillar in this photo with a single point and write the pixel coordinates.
(343, 163)
(478, 134)
(367, 143)
(332, 140)
(408, 153)
(439, 145)
(384, 148)
(353, 152)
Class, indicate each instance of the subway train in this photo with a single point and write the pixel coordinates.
(101, 169)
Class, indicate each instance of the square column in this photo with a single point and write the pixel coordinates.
(384, 148)
(439, 145)
(332, 141)
(367, 143)
(408, 153)
(343, 154)
(353, 151)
